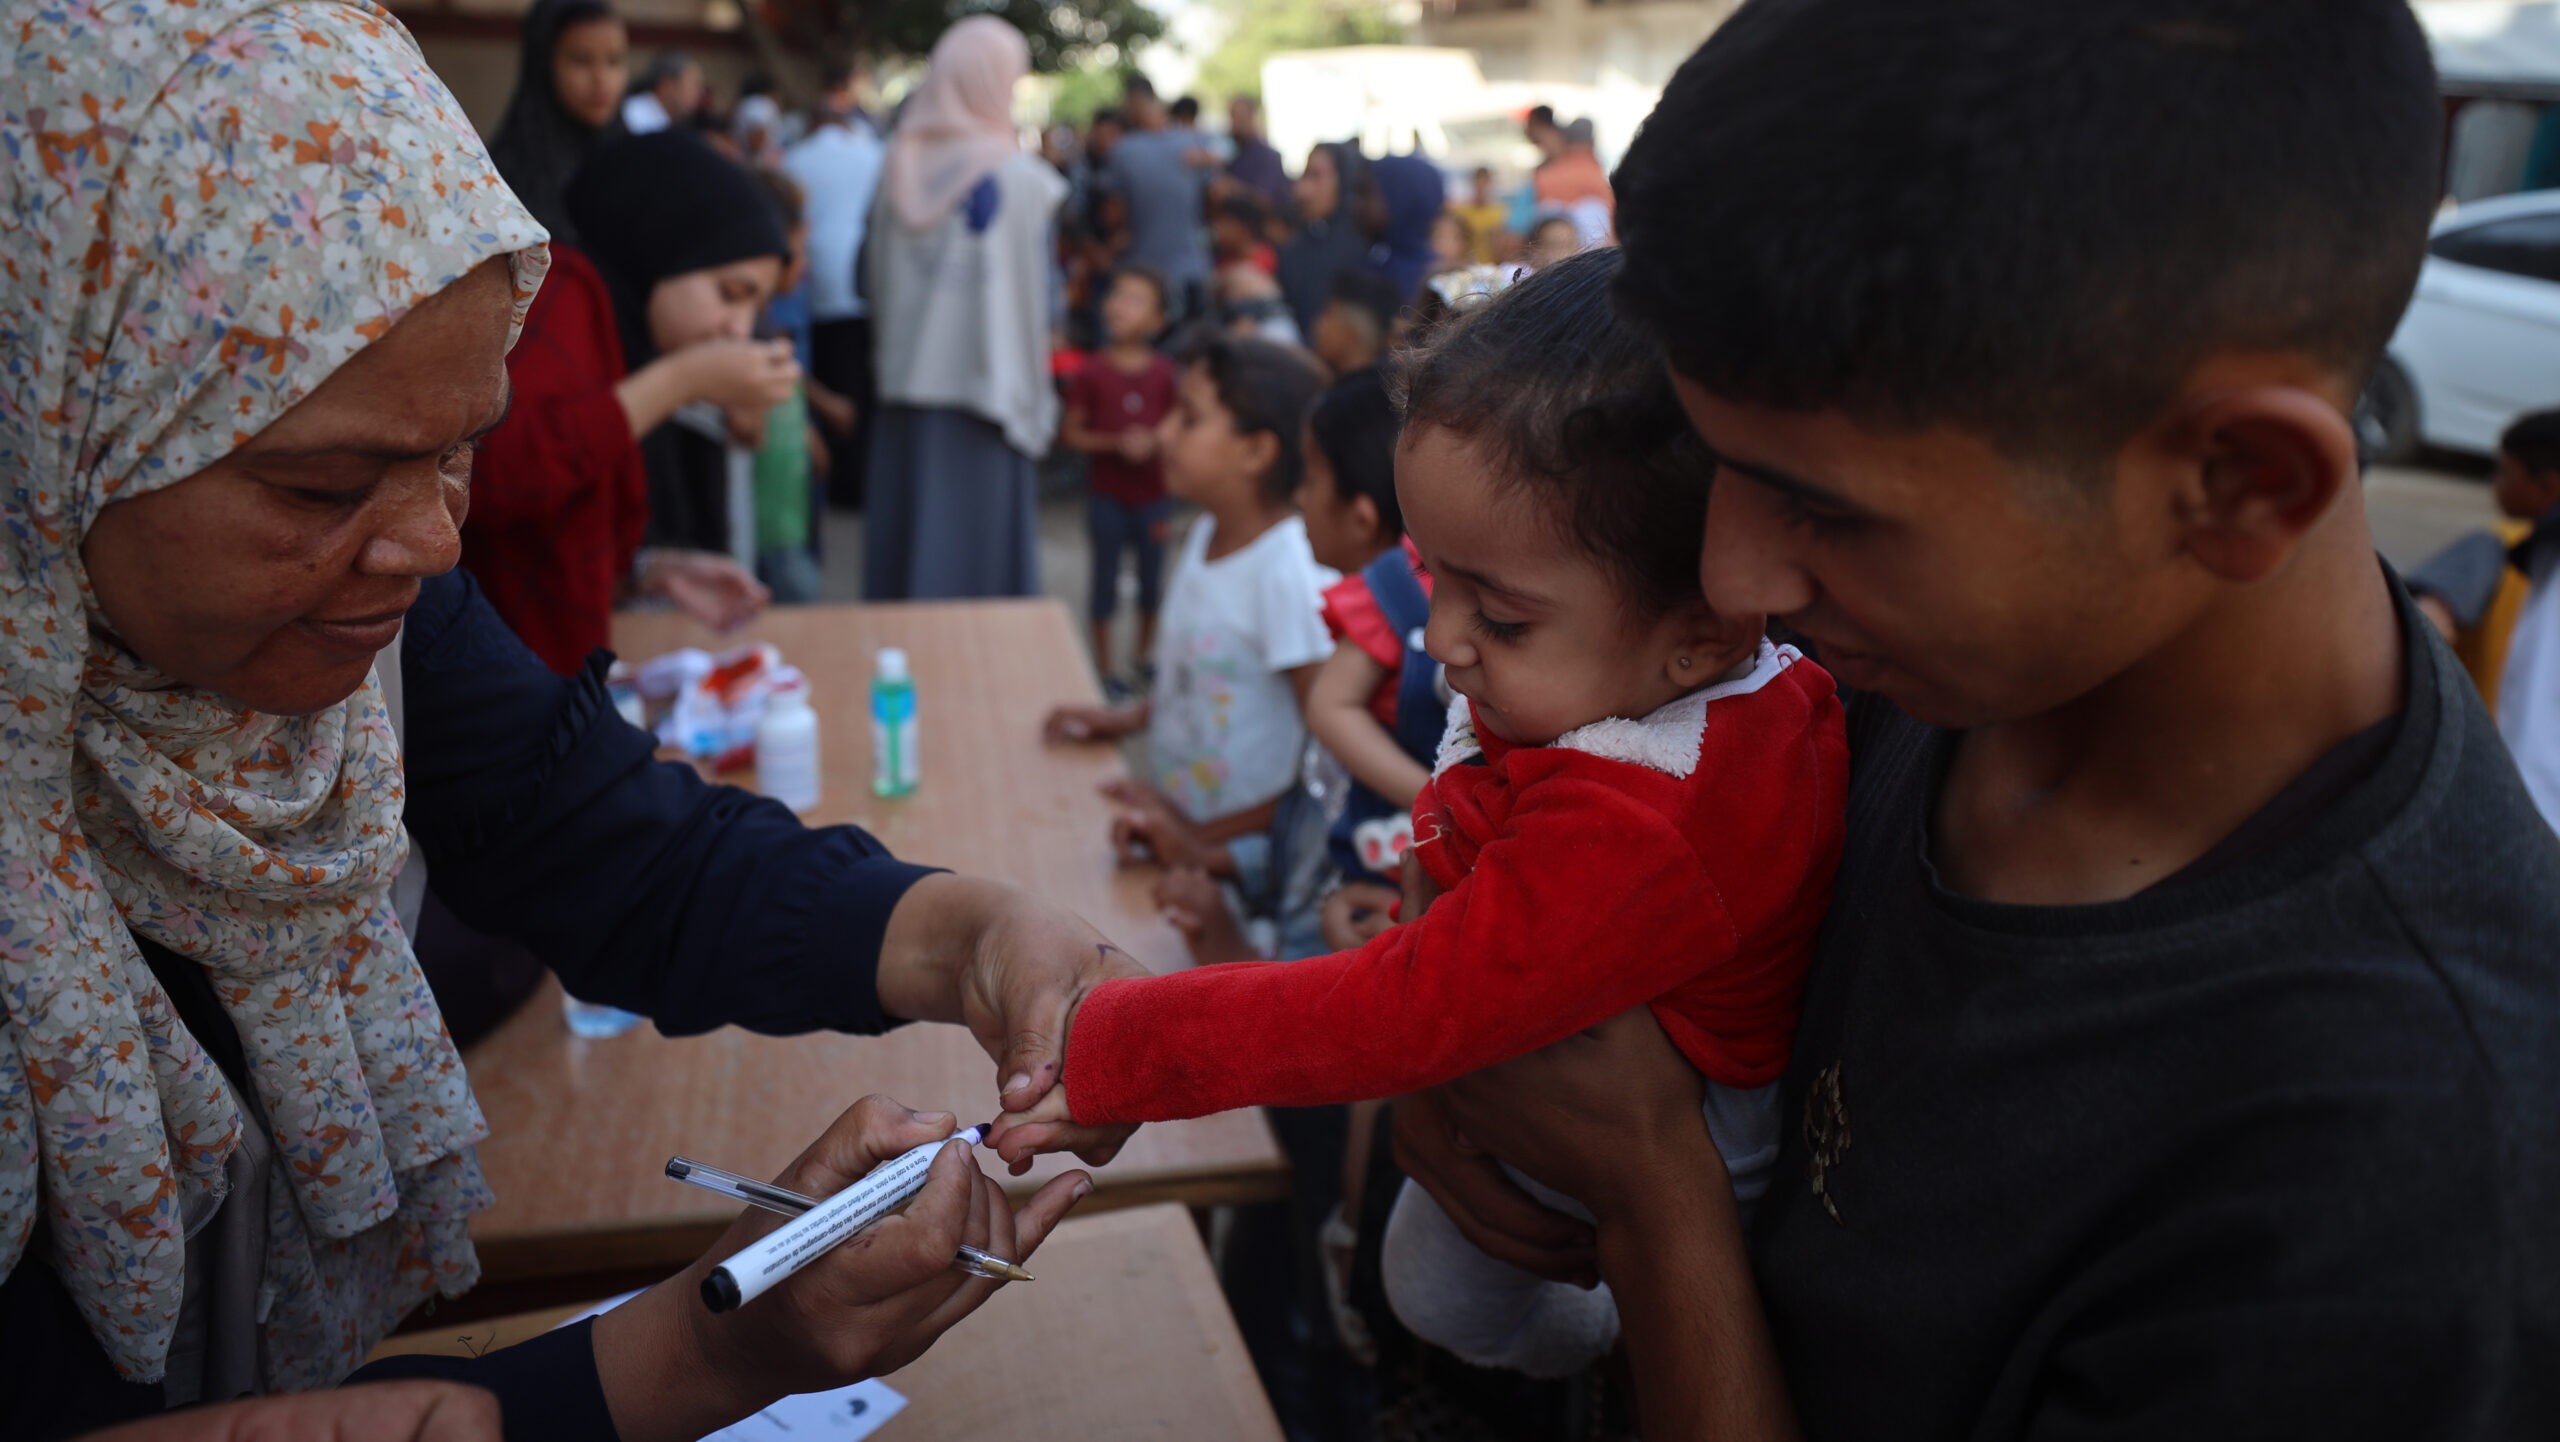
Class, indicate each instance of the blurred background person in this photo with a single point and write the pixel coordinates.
(1551, 240)
(1575, 181)
(755, 123)
(838, 169)
(959, 279)
(576, 63)
(1330, 237)
(1484, 213)
(1414, 195)
(671, 93)
(1161, 175)
(1256, 166)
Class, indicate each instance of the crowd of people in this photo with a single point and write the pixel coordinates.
(715, 366)
(1819, 715)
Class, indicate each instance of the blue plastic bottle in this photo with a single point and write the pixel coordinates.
(893, 726)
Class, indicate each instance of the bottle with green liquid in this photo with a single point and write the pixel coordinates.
(893, 726)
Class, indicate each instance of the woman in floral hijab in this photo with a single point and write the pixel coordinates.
(261, 278)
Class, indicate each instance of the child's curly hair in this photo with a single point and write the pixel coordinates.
(1575, 407)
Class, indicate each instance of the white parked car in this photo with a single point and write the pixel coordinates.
(2480, 344)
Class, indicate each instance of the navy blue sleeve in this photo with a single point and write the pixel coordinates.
(546, 1386)
(545, 818)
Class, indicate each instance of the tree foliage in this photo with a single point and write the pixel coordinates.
(1063, 33)
(1263, 28)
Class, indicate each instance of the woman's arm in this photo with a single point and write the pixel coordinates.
(1338, 713)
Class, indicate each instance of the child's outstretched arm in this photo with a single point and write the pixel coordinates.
(1338, 713)
(1589, 904)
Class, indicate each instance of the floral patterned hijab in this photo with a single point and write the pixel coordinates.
(212, 205)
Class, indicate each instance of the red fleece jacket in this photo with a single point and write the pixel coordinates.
(1683, 860)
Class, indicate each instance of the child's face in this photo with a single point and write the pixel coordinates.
(1529, 627)
(1342, 340)
(1930, 566)
(715, 304)
(1447, 241)
(1206, 460)
(1552, 241)
(1343, 533)
(1131, 312)
(2520, 492)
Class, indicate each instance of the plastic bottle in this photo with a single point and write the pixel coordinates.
(787, 744)
(893, 726)
(594, 1020)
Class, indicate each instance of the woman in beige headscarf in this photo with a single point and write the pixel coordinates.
(959, 279)
(263, 279)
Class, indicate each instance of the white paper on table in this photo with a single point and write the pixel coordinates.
(847, 1414)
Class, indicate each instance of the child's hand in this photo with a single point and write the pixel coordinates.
(1085, 723)
(1193, 902)
(1356, 913)
(1049, 1126)
(1188, 899)
(1137, 443)
(1151, 827)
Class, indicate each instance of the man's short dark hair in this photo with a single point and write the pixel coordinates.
(2534, 440)
(1107, 115)
(1137, 87)
(836, 71)
(1568, 400)
(1266, 387)
(1541, 115)
(2029, 218)
(1185, 110)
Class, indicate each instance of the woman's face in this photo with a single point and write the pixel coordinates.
(1319, 187)
(590, 68)
(715, 304)
(273, 575)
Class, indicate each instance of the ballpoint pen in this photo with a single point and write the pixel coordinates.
(791, 1204)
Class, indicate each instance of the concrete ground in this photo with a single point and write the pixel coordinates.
(2415, 511)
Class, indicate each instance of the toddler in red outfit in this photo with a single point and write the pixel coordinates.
(1638, 802)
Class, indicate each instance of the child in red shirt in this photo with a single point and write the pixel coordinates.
(1113, 407)
(1638, 802)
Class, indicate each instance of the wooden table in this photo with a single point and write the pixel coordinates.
(1124, 1335)
(580, 1131)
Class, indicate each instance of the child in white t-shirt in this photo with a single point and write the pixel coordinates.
(1243, 626)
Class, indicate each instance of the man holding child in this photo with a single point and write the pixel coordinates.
(2177, 1057)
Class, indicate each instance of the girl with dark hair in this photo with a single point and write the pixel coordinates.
(568, 89)
(635, 370)
(1636, 801)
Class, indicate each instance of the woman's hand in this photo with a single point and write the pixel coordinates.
(710, 587)
(741, 375)
(1009, 966)
(673, 1369)
(418, 1411)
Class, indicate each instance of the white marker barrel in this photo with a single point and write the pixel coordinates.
(809, 1236)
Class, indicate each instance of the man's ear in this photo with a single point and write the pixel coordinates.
(2265, 463)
